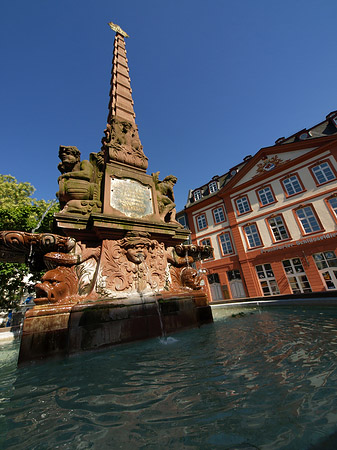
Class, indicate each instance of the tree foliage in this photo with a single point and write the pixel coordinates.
(20, 211)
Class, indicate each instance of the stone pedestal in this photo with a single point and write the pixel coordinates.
(58, 332)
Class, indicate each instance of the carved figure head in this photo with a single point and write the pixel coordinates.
(56, 286)
(171, 179)
(70, 156)
(190, 278)
(136, 246)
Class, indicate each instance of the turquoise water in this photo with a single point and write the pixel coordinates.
(266, 380)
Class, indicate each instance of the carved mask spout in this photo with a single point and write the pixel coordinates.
(57, 286)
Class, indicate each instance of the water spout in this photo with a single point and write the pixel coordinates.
(44, 215)
(163, 332)
(30, 258)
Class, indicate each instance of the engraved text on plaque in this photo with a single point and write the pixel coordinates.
(131, 197)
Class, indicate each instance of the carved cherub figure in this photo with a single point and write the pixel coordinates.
(165, 197)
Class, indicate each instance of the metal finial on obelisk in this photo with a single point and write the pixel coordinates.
(118, 29)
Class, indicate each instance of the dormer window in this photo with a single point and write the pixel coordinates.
(303, 135)
(213, 187)
(332, 117)
(197, 195)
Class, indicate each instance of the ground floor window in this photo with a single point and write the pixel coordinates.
(296, 276)
(267, 279)
(326, 263)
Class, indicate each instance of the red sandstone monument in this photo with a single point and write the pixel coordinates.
(117, 269)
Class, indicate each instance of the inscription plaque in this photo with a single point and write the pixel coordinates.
(131, 197)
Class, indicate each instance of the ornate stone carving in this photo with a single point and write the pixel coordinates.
(33, 244)
(165, 197)
(268, 164)
(79, 271)
(122, 143)
(85, 263)
(190, 278)
(57, 286)
(80, 180)
(192, 253)
(138, 263)
(133, 264)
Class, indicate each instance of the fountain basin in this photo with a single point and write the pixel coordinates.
(50, 332)
(264, 379)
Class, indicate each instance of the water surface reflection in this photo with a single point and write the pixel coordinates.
(264, 380)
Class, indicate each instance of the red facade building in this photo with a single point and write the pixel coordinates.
(272, 219)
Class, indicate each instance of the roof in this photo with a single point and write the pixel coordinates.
(221, 181)
(326, 128)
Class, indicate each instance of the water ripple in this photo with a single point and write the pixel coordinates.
(265, 380)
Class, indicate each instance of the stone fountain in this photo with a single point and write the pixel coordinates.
(117, 270)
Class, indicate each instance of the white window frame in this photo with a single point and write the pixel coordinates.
(201, 220)
(197, 194)
(265, 196)
(333, 208)
(253, 236)
(213, 187)
(326, 263)
(292, 185)
(243, 204)
(216, 214)
(296, 276)
(308, 221)
(278, 228)
(325, 173)
(267, 279)
(226, 243)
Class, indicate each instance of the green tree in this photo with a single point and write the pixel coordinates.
(20, 211)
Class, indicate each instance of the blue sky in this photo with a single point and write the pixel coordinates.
(212, 81)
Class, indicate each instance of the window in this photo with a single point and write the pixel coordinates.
(207, 242)
(253, 236)
(226, 244)
(325, 259)
(308, 220)
(197, 195)
(323, 173)
(292, 185)
(278, 228)
(326, 263)
(296, 276)
(242, 205)
(202, 222)
(266, 196)
(182, 221)
(267, 279)
(213, 187)
(219, 215)
(333, 204)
